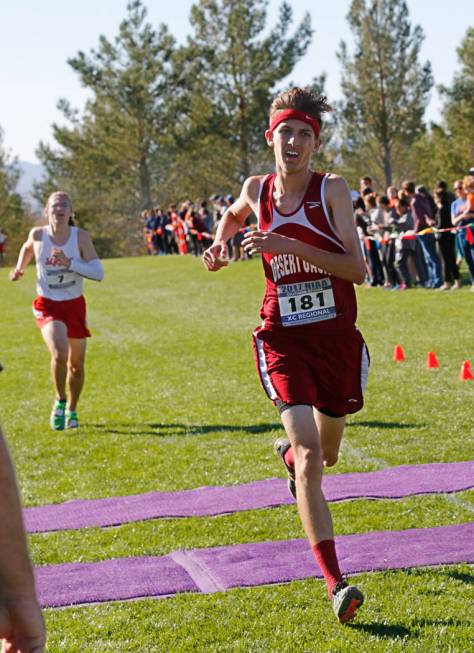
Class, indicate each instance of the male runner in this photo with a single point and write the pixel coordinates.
(64, 256)
(311, 359)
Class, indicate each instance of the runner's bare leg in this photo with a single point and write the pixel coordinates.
(75, 371)
(331, 430)
(55, 336)
(300, 426)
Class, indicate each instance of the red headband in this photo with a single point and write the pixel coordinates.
(293, 114)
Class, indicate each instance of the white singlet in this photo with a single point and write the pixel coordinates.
(52, 279)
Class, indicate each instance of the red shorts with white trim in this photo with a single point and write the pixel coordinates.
(72, 312)
(328, 371)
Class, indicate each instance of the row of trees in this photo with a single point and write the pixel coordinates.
(14, 216)
(167, 121)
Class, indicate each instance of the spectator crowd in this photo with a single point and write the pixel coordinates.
(412, 237)
(190, 227)
(409, 236)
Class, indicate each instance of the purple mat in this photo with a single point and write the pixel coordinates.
(248, 565)
(393, 483)
(111, 580)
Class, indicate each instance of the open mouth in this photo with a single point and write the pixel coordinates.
(291, 154)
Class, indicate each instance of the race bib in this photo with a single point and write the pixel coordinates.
(60, 278)
(307, 302)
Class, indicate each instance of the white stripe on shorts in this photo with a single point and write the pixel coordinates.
(364, 368)
(262, 366)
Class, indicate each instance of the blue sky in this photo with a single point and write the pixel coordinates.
(37, 37)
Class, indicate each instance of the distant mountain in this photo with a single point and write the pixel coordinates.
(30, 173)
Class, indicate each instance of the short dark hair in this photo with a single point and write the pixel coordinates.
(441, 185)
(442, 196)
(409, 186)
(371, 200)
(383, 199)
(403, 202)
(302, 99)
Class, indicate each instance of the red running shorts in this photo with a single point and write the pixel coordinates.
(327, 371)
(72, 312)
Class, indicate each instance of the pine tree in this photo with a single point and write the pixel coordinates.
(446, 151)
(14, 220)
(385, 89)
(113, 157)
(458, 112)
(232, 70)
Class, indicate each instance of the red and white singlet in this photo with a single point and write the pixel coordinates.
(298, 293)
(52, 279)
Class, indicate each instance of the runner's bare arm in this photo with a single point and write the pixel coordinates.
(89, 265)
(214, 257)
(86, 246)
(21, 623)
(26, 254)
(348, 265)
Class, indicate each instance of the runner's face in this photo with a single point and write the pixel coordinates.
(59, 210)
(294, 143)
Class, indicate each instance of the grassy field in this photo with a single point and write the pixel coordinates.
(172, 402)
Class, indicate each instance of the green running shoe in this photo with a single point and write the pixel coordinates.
(72, 421)
(58, 415)
(346, 599)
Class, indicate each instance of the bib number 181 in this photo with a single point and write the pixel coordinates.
(306, 302)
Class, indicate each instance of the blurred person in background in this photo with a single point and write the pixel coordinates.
(372, 241)
(392, 194)
(3, 240)
(405, 242)
(64, 255)
(427, 262)
(463, 218)
(388, 242)
(446, 241)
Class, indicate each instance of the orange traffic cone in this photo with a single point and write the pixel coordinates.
(398, 354)
(431, 360)
(466, 372)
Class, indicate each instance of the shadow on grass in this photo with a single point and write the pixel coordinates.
(464, 578)
(421, 623)
(397, 631)
(163, 430)
(385, 425)
(394, 631)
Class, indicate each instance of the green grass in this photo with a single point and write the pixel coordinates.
(172, 401)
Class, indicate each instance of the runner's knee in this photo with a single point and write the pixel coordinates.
(59, 355)
(76, 368)
(308, 462)
(330, 458)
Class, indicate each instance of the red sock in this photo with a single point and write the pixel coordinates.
(325, 554)
(290, 458)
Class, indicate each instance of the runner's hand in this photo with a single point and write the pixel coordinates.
(61, 257)
(257, 242)
(21, 627)
(215, 257)
(15, 274)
